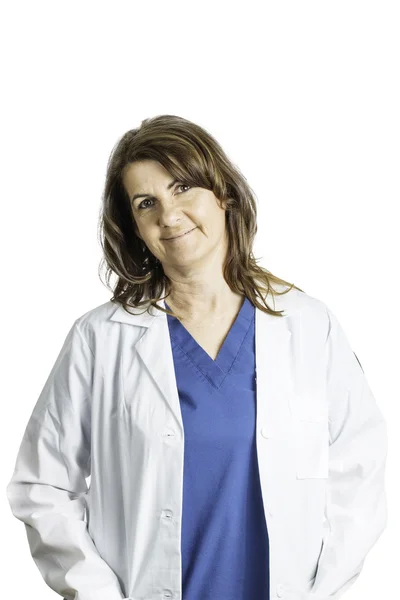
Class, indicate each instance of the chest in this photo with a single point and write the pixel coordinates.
(210, 334)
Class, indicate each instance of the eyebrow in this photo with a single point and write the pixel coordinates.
(169, 186)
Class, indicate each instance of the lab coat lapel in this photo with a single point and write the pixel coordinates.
(273, 373)
(155, 352)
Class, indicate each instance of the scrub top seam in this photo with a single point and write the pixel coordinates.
(215, 363)
(238, 352)
(189, 358)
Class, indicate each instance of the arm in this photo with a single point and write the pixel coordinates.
(356, 508)
(48, 486)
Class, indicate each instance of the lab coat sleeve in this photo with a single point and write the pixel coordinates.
(47, 489)
(356, 507)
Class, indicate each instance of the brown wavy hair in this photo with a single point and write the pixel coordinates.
(192, 156)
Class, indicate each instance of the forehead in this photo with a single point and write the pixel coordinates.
(140, 176)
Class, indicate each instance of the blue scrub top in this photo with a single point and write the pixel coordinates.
(225, 545)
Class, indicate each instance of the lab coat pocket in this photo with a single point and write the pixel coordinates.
(312, 447)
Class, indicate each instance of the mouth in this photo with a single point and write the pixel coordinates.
(178, 237)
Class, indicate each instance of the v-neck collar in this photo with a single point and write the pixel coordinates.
(215, 370)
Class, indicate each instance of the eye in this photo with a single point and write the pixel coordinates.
(140, 206)
(145, 200)
(183, 185)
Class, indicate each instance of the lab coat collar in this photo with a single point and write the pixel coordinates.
(141, 318)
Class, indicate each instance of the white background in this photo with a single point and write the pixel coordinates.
(303, 96)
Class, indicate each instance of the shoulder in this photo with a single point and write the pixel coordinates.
(311, 311)
(98, 314)
(96, 321)
(103, 321)
(295, 300)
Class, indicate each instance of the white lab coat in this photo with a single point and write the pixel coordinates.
(110, 411)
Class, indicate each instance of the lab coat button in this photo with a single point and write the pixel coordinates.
(264, 432)
(167, 594)
(169, 435)
(167, 514)
(280, 590)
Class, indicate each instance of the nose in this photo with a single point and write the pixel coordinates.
(169, 214)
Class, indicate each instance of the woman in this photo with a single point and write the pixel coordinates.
(205, 480)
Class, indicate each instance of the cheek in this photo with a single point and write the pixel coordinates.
(141, 228)
(217, 223)
(146, 234)
(136, 229)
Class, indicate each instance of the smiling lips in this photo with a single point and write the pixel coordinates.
(179, 236)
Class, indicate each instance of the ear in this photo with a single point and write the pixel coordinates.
(224, 204)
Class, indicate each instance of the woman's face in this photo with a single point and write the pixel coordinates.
(166, 209)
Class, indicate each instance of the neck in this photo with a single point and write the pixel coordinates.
(202, 299)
